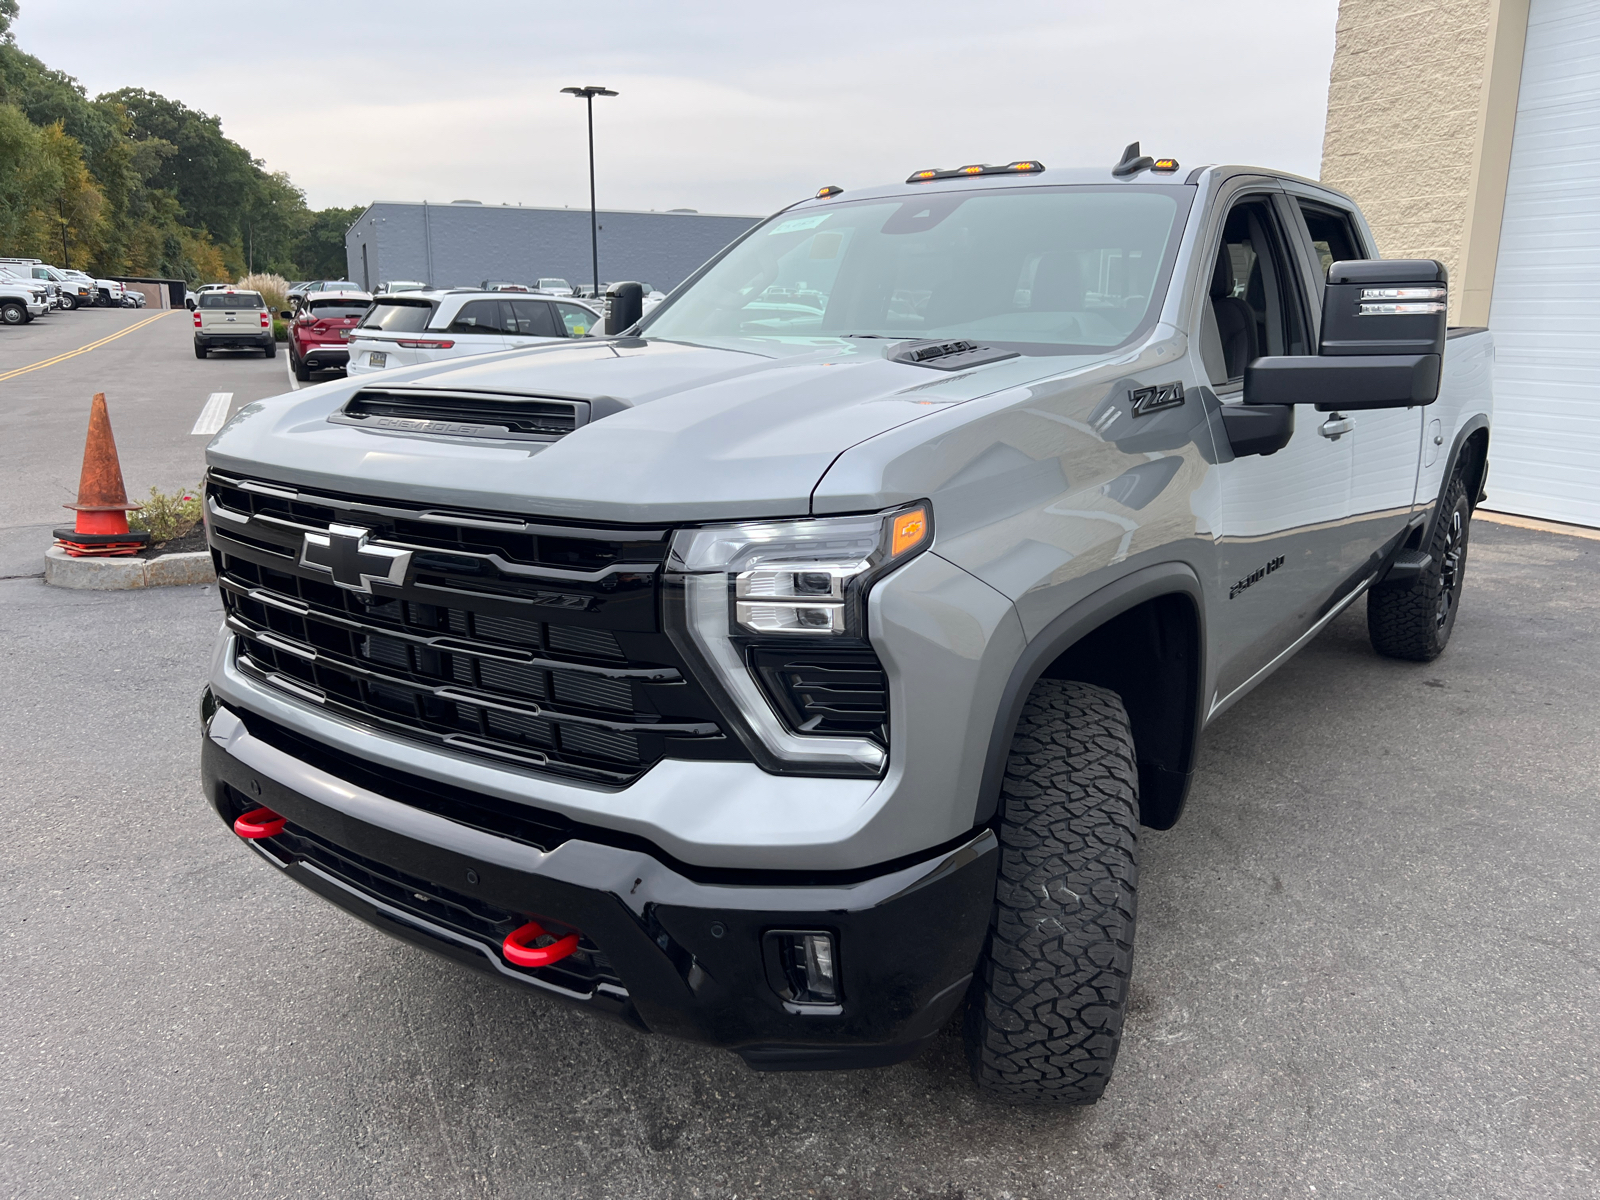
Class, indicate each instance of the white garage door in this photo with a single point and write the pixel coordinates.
(1544, 451)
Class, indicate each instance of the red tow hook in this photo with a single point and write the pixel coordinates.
(517, 950)
(260, 823)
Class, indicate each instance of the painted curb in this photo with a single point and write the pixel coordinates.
(124, 574)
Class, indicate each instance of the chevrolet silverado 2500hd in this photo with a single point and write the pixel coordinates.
(793, 672)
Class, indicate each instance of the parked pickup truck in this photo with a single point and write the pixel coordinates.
(225, 319)
(794, 677)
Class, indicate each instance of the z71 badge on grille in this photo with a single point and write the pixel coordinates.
(343, 552)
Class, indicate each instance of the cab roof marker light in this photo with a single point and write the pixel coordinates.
(831, 190)
(1023, 167)
(1165, 165)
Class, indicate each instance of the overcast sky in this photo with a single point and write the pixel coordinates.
(724, 107)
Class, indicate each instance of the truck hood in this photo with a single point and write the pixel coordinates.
(730, 429)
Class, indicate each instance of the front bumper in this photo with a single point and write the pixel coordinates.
(661, 951)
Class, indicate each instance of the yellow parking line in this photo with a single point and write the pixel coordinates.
(50, 362)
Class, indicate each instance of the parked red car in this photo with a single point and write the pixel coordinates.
(319, 332)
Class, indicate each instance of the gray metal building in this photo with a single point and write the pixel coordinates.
(463, 243)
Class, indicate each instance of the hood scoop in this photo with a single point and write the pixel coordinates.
(955, 355)
(495, 416)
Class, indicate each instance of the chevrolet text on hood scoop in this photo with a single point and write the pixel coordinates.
(641, 431)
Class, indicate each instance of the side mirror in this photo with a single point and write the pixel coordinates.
(624, 306)
(286, 315)
(1383, 334)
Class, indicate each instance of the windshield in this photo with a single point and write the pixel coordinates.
(329, 309)
(553, 283)
(398, 316)
(231, 300)
(1063, 269)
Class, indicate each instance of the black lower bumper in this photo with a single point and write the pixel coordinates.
(659, 950)
(326, 358)
(234, 341)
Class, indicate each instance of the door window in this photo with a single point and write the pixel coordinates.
(530, 318)
(1255, 307)
(1333, 234)
(478, 316)
(577, 319)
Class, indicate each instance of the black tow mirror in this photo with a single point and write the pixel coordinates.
(624, 306)
(1383, 334)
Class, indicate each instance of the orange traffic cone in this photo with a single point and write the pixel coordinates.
(102, 525)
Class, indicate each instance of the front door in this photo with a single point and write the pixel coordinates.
(1385, 441)
(1284, 547)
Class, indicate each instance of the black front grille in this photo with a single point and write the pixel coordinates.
(827, 691)
(535, 646)
(583, 972)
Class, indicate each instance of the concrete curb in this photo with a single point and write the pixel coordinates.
(123, 574)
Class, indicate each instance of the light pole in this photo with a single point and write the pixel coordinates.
(588, 94)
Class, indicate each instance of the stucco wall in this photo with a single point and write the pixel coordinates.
(1420, 103)
(1403, 119)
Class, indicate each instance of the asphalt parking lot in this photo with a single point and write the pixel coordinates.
(1368, 960)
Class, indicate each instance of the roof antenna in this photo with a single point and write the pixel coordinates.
(1132, 162)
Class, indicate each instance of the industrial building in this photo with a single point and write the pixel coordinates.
(464, 243)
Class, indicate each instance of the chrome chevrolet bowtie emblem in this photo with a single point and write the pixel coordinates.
(343, 552)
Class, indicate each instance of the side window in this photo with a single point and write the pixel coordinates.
(478, 316)
(1333, 234)
(1255, 307)
(576, 318)
(530, 318)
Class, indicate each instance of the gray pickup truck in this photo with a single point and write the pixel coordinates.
(793, 671)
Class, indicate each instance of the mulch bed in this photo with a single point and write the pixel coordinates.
(195, 539)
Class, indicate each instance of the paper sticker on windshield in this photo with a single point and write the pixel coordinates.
(800, 223)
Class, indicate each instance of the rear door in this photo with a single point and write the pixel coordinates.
(1284, 550)
(576, 319)
(480, 327)
(531, 320)
(1386, 441)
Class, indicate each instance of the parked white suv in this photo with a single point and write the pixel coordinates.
(420, 327)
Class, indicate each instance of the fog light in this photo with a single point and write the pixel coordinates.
(804, 966)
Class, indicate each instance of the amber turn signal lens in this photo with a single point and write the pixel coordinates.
(909, 530)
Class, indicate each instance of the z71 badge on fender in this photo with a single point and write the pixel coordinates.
(1154, 399)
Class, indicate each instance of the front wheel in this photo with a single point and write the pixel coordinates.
(1044, 1019)
(12, 313)
(68, 303)
(1414, 621)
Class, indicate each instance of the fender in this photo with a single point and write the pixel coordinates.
(1162, 789)
(1471, 426)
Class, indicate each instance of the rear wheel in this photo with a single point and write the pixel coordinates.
(199, 350)
(1414, 621)
(271, 350)
(301, 371)
(1044, 1019)
(13, 313)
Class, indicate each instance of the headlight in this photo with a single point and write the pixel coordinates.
(776, 613)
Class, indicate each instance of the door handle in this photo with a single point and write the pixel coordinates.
(1335, 427)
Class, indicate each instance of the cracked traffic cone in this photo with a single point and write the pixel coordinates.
(102, 525)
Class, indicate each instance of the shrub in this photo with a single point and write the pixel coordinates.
(280, 330)
(274, 290)
(165, 517)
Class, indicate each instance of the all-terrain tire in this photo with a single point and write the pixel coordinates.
(12, 313)
(1044, 1019)
(1414, 621)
